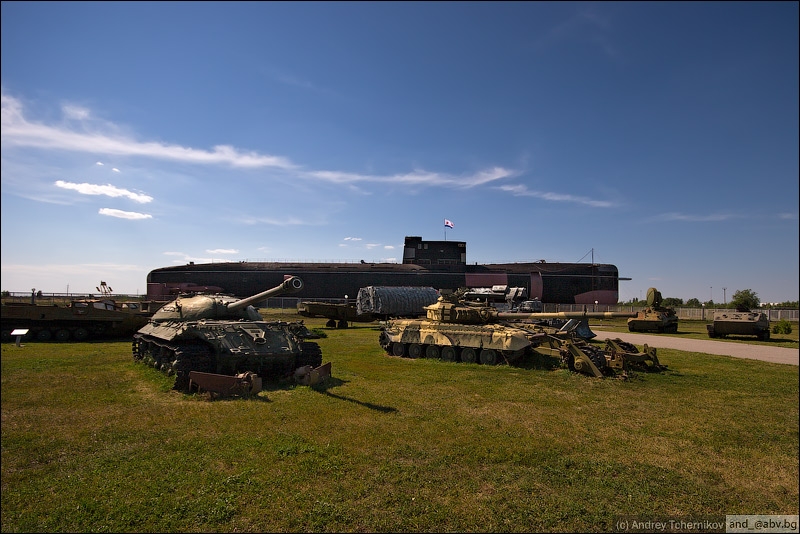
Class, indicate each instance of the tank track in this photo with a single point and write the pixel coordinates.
(310, 354)
(176, 359)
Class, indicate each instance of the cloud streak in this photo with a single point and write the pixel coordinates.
(132, 215)
(107, 190)
(523, 191)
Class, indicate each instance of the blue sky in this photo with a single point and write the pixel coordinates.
(659, 137)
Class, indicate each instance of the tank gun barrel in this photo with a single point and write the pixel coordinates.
(292, 284)
(564, 315)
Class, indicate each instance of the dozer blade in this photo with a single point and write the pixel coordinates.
(243, 384)
(623, 356)
(308, 376)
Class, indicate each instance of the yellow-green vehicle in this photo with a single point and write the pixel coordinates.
(739, 323)
(459, 331)
(655, 317)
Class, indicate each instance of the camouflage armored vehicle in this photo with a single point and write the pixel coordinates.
(224, 335)
(457, 330)
(654, 318)
(79, 319)
(739, 323)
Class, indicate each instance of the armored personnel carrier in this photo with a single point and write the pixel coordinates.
(739, 323)
(224, 335)
(457, 330)
(655, 317)
(79, 319)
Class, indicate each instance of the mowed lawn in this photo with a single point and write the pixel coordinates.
(92, 441)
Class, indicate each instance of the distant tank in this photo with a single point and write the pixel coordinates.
(457, 330)
(78, 319)
(739, 323)
(224, 335)
(654, 318)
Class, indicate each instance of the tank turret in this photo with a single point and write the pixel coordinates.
(655, 317)
(224, 335)
(450, 309)
(226, 307)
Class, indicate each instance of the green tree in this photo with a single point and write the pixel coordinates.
(693, 303)
(672, 302)
(745, 299)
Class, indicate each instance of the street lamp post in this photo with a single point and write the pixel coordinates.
(724, 298)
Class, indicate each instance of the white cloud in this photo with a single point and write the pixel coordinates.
(124, 214)
(523, 191)
(223, 251)
(107, 190)
(675, 216)
(18, 131)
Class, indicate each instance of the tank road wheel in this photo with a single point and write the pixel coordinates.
(62, 334)
(432, 352)
(331, 323)
(449, 354)
(80, 334)
(414, 350)
(488, 357)
(44, 335)
(468, 355)
(398, 349)
(341, 324)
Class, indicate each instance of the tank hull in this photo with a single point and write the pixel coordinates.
(488, 344)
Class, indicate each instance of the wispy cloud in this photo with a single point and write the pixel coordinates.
(18, 131)
(418, 177)
(107, 190)
(523, 191)
(223, 251)
(675, 216)
(110, 212)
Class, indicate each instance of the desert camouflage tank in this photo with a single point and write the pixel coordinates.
(739, 323)
(654, 318)
(460, 331)
(226, 336)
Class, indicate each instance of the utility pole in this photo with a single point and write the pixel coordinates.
(724, 298)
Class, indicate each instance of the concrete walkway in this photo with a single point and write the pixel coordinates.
(736, 350)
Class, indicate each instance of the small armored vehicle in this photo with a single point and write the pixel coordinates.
(224, 335)
(458, 330)
(739, 323)
(654, 318)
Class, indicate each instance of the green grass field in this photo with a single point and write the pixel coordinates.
(92, 441)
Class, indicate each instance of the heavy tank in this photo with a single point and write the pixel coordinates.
(655, 317)
(224, 335)
(457, 330)
(739, 323)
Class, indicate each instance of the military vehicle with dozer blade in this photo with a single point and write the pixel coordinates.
(655, 317)
(222, 335)
(458, 330)
(742, 322)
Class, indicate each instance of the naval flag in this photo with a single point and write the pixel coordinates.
(448, 224)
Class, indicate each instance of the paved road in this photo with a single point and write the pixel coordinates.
(736, 350)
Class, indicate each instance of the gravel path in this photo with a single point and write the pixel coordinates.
(736, 350)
